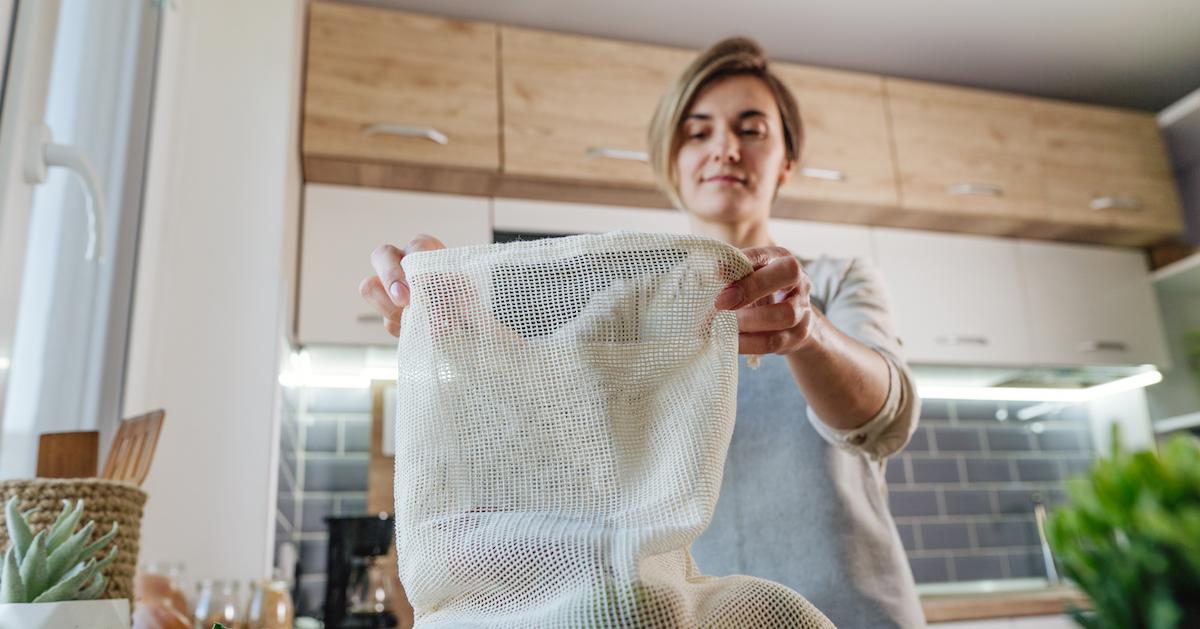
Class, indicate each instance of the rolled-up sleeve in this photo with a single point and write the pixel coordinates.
(852, 295)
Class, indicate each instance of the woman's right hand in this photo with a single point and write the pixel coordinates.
(387, 290)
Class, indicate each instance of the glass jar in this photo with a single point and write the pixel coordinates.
(217, 601)
(270, 605)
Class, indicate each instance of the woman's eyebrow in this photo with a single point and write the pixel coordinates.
(749, 113)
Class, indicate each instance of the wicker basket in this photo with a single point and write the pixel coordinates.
(104, 501)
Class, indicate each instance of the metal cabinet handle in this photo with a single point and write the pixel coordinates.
(827, 174)
(433, 135)
(1100, 345)
(42, 153)
(370, 318)
(962, 339)
(1110, 202)
(596, 152)
(968, 187)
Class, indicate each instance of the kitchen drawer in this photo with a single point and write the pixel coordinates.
(342, 226)
(392, 87)
(955, 299)
(1090, 305)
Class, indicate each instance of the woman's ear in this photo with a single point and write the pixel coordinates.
(785, 173)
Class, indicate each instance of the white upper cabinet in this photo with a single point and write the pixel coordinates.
(1091, 305)
(342, 225)
(553, 217)
(955, 299)
(813, 240)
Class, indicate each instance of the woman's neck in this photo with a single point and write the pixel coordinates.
(751, 233)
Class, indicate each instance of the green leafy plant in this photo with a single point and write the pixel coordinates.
(55, 564)
(1130, 538)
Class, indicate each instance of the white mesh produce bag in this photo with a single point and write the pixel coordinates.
(563, 414)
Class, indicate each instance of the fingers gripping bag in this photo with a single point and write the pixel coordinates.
(564, 408)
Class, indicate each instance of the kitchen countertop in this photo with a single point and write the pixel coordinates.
(1008, 598)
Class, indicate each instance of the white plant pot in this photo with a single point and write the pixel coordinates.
(110, 613)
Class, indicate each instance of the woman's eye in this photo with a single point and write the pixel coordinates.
(697, 135)
(754, 132)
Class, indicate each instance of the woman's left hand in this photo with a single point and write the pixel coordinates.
(774, 313)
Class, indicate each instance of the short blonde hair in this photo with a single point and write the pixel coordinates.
(736, 56)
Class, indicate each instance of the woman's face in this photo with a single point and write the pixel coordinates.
(732, 156)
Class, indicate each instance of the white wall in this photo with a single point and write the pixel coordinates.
(211, 297)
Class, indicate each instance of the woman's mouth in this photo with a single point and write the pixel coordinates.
(726, 180)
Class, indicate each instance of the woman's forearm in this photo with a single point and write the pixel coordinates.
(844, 381)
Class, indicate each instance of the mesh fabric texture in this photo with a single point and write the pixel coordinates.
(563, 414)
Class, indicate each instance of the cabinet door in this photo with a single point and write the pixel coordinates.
(956, 299)
(1105, 166)
(579, 107)
(387, 86)
(964, 151)
(1090, 305)
(847, 154)
(813, 240)
(342, 225)
(552, 217)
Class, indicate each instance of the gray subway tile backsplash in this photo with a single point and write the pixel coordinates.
(934, 470)
(935, 411)
(930, 569)
(961, 491)
(981, 470)
(909, 502)
(1026, 564)
(1071, 440)
(1010, 438)
(321, 435)
(313, 510)
(896, 473)
(356, 435)
(957, 439)
(945, 535)
(908, 535)
(978, 567)
(335, 474)
(339, 400)
(1038, 470)
(967, 501)
(919, 441)
(982, 473)
(1007, 533)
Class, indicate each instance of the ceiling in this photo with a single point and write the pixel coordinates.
(1143, 54)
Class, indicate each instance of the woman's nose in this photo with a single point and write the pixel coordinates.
(726, 148)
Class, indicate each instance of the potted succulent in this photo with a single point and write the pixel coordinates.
(52, 578)
(1130, 538)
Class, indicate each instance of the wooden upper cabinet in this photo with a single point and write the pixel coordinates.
(386, 86)
(846, 154)
(964, 151)
(1105, 167)
(579, 107)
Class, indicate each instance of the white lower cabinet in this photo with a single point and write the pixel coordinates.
(955, 299)
(1091, 305)
(1023, 622)
(342, 226)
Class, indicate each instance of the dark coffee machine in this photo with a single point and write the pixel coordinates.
(357, 595)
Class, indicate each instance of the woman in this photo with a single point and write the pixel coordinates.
(803, 498)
